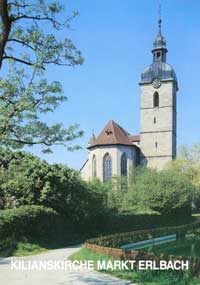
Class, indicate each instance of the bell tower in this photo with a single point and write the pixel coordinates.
(159, 87)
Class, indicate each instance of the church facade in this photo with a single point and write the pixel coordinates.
(115, 151)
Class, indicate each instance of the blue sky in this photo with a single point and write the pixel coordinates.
(115, 38)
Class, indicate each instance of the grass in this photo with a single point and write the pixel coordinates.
(27, 247)
(22, 249)
(139, 277)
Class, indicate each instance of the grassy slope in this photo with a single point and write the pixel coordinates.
(141, 277)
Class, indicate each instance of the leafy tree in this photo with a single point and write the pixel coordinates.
(166, 191)
(28, 180)
(188, 164)
(32, 42)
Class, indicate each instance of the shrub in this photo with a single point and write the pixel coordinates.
(35, 222)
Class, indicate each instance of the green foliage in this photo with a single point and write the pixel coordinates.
(188, 164)
(118, 239)
(32, 42)
(164, 191)
(24, 249)
(148, 191)
(30, 222)
(27, 180)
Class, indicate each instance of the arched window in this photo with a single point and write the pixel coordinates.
(124, 165)
(94, 167)
(107, 167)
(156, 99)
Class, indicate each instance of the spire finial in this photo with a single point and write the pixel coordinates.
(159, 17)
(92, 138)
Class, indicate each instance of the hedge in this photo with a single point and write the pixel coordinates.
(35, 222)
(110, 245)
(118, 223)
(119, 239)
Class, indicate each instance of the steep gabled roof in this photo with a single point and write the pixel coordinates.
(112, 134)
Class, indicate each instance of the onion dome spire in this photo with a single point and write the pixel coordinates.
(159, 45)
(159, 70)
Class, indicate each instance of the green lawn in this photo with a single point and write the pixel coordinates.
(139, 277)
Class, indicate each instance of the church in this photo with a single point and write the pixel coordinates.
(115, 151)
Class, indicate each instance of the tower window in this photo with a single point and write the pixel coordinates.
(156, 99)
(158, 54)
(94, 167)
(154, 120)
(124, 165)
(107, 167)
(156, 144)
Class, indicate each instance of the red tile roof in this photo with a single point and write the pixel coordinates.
(134, 138)
(113, 134)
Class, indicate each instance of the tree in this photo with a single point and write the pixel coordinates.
(166, 191)
(31, 42)
(188, 164)
(28, 180)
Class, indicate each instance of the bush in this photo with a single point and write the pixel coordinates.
(31, 222)
(166, 192)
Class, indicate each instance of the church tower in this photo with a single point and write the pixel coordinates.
(159, 87)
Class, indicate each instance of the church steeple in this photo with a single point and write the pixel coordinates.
(159, 45)
(158, 107)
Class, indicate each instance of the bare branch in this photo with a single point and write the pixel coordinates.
(22, 43)
(20, 60)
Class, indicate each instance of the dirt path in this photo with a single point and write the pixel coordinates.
(56, 277)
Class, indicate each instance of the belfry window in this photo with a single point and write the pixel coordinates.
(156, 99)
(94, 167)
(124, 165)
(107, 167)
(158, 54)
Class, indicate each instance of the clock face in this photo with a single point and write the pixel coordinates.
(156, 83)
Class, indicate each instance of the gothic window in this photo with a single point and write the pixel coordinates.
(124, 165)
(107, 167)
(154, 120)
(156, 144)
(94, 167)
(156, 99)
